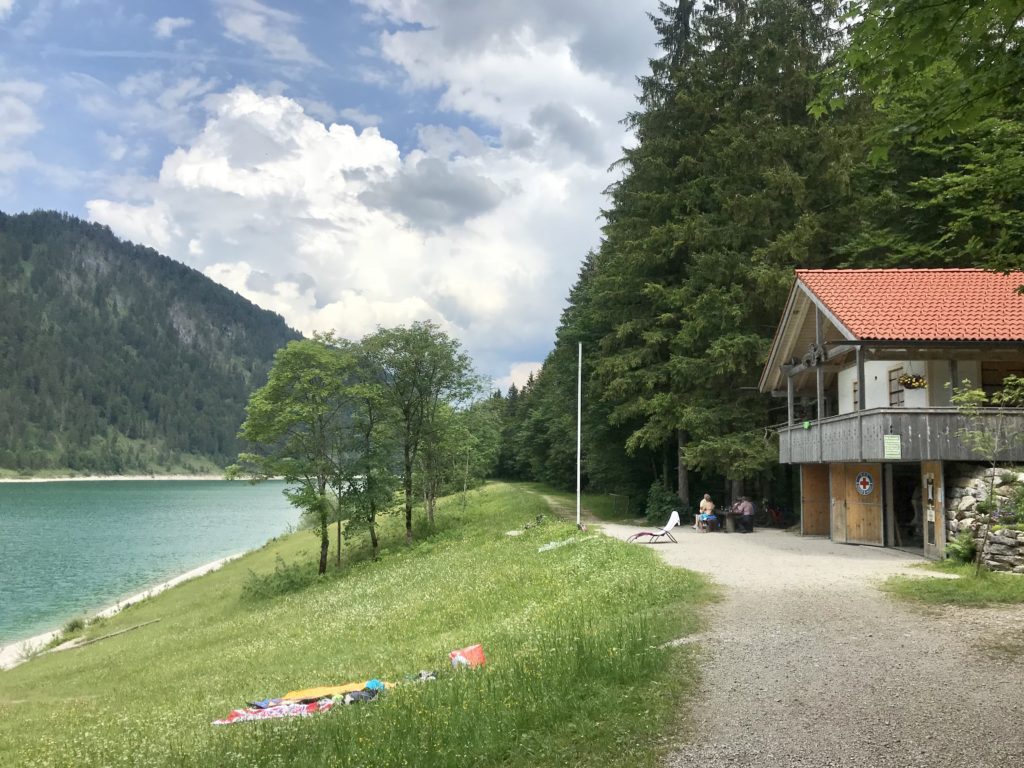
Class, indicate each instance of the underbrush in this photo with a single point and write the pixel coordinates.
(284, 579)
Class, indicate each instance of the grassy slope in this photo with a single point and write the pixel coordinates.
(971, 589)
(571, 634)
(603, 506)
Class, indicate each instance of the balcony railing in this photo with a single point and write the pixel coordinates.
(900, 434)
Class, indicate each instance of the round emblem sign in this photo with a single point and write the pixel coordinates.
(865, 483)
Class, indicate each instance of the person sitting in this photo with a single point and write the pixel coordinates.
(707, 507)
(745, 515)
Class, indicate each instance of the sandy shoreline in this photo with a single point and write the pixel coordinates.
(11, 655)
(94, 478)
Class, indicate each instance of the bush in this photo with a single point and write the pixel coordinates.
(1013, 512)
(660, 501)
(963, 548)
(77, 624)
(285, 578)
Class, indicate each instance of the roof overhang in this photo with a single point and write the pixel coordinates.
(796, 332)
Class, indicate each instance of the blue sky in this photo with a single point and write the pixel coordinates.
(347, 164)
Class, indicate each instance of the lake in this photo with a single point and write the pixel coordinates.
(74, 548)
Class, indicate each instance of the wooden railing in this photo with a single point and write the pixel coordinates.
(914, 434)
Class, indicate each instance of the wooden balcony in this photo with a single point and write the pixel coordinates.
(924, 434)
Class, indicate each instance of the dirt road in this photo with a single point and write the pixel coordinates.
(809, 664)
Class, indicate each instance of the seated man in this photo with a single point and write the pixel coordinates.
(706, 511)
(745, 515)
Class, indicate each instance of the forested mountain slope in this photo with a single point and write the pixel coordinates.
(114, 358)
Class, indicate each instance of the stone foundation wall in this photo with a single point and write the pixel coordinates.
(966, 485)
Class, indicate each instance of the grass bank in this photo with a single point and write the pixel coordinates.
(968, 588)
(576, 673)
(604, 506)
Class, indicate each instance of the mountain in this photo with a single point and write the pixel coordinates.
(116, 359)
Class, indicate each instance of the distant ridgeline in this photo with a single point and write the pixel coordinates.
(114, 358)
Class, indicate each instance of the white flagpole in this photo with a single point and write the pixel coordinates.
(579, 418)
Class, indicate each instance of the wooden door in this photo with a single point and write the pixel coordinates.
(856, 494)
(814, 499)
(837, 495)
(864, 504)
(933, 514)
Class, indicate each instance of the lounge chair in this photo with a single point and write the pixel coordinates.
(661, 533)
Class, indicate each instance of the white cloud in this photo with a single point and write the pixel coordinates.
(166, 27)
(145, 102)
(305, 208)
(574, 62)
(359, 117)
(17, 112)
(518, 374)
(18, 123)
(606, 36)
(113, 144)
(6, 6)
(248, 21)
(265, 192)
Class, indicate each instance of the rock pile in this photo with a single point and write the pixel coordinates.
(967, 486)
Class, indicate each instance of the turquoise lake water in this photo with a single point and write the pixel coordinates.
(73, 548)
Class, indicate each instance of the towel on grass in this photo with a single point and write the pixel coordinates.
(290, 709)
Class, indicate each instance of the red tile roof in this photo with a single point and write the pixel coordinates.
(921, 304)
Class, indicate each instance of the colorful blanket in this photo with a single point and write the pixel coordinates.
(307, 701)
(288, 709)
(334, 690)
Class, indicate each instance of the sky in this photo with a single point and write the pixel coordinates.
(348, 164)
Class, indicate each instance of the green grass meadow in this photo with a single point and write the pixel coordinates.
(968, 589)
(576, 673)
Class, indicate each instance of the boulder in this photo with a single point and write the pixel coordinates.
(1001, 538)
(966, 503)
(994, 550)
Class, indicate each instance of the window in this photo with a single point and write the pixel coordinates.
(993, 373)
(856, 399)
(896, 392)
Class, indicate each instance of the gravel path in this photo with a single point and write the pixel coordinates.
(808, 664)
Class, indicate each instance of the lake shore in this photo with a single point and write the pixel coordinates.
(95, 478)
(13, 654)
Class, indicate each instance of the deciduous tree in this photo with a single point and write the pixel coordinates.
(296, 424)
(421, 369)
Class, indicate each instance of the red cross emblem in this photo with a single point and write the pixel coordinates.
(865, 483)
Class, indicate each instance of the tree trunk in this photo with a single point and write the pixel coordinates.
(736, 491)
(373, 538)
(325, 530)
(683, 472)
(325, 543)
(408, 494)
(337, 554)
